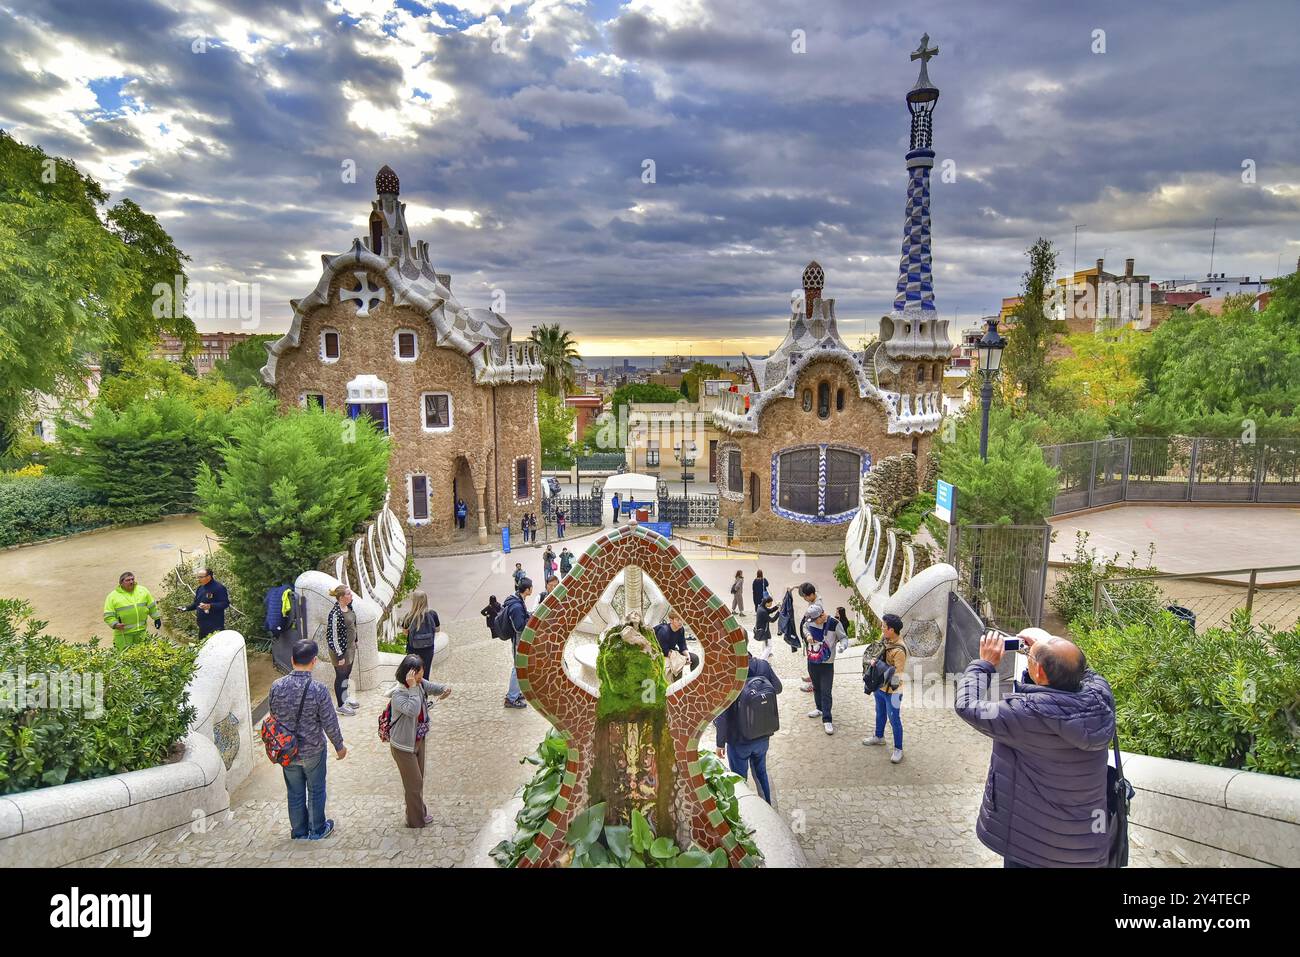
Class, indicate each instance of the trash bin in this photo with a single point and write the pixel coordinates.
(643, 514)
(1183, 614)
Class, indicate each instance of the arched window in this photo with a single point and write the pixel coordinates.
(823, 400)
(753, 493)
(406, 345)
(916, 444)
(797, 481)
(807, 400)
(329, 345)
(839, 400)
(920, 372)
(376, 235)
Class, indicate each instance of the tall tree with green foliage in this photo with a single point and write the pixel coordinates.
(1212, 375)
(140, 380)
(1025, 374)
(1015, 486)
(76, 280)
(243, 368)
(555, 421)
(291, 489)
(142, 460)
(558, 353)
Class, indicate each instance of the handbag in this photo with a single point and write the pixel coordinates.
(281, 745)
(1119, 793)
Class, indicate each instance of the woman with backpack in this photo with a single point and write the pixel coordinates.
(408, 706)
(341, 640)
(738, 593)
(490, 613)
(421, 625)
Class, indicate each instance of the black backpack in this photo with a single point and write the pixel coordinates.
(876, 672)
(756, 713)
(506, 630)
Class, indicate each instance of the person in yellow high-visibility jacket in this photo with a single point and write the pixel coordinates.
(127, 610)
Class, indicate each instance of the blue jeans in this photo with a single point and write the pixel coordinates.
(749, 755)
(513, 693)
(305, 782)
(891, 704)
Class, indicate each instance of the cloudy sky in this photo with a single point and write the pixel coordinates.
(520, 133)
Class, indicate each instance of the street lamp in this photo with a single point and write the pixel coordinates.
(990, 353)
(685, 452)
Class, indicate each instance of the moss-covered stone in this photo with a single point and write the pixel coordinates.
(632, 682)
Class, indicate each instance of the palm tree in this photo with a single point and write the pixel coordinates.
(558, 353)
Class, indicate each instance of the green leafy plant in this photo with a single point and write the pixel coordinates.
(144, 711)
(291, 489)
(410, 581)
(539, 796)
(1134, 600)
(1225, 696)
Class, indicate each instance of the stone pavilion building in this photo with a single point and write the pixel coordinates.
(820, 414)
(383, 336)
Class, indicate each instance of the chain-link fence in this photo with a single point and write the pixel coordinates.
(1206, 599)
(1002, 571)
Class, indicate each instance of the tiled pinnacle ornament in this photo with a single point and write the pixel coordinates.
(663, 737)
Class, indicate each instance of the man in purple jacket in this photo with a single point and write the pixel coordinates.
(1045, 797)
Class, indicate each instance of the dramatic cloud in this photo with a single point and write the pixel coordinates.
(521, 132)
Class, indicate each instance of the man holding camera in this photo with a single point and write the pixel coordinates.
(1045, 798)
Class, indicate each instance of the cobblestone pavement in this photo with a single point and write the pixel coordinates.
(848, 805)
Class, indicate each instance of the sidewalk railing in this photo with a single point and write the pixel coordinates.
(1204, 599)
(1174, 468)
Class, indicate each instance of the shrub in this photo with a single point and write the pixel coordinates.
(1227, 696)
(1015, 486)
(1073, 597)
(45, 507)
(291, 489)
(144, 457)
(144, 710)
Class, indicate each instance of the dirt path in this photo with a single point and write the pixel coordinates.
(66, 581)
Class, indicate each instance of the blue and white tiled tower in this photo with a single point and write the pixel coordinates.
(915, 291)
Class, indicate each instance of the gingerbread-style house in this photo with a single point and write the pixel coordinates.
(821, 413)
(382, 336)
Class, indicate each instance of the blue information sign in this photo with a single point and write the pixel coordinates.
(945, 501)
(663, 528)
(505, 539)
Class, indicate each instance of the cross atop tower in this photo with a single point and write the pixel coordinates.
(923, 54)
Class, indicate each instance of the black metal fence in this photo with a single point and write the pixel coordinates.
(580, 509)
(1175, 468)
(1002, 571)
(693, 511)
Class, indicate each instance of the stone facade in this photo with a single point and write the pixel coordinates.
(380, 333)
(860, 427)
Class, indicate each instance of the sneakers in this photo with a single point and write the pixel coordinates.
(896, 757)
(326, 832)
(828, 727)
(815, 713)
(521, 703)
(347, 709)
(873, 740)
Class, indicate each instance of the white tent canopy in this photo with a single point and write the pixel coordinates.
(629, 486)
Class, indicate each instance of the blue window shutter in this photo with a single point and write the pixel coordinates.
(385, 408)
(354, 410)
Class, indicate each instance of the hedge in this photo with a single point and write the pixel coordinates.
(46, 507)
(1226, 696)
(133, 709)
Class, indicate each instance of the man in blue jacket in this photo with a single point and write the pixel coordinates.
(517, 617)
(742, 754)
(1045, 799)
(210, 601)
